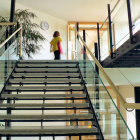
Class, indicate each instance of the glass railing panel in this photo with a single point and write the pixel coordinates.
(120, 25)
(135, 14)
(112, 123)
(126, 79)
(79, 50)
(7, 63)
(2, 33)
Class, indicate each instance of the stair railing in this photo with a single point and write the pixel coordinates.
(19, 48)
(114, 88)
(8, 58)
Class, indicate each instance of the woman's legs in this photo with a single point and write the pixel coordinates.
(57, 55)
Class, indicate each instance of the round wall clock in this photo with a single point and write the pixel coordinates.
(44, 25)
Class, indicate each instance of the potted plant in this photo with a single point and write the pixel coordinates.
(31, 35)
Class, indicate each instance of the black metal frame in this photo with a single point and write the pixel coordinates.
(12, 13)
(130, 22)
(84, 49)
(49, 108)
(110, 31)
(98, 34)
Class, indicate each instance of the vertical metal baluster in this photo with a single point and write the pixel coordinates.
(80, 138)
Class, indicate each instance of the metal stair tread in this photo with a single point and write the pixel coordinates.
(47, 69)
(48, 61)
(44, 80)
(36, 88)
(45, 74)
(41, 95)
(46, 105)
(50, 116)
(22, 130)
(48, 65)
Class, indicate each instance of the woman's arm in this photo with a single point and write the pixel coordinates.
(51, 48)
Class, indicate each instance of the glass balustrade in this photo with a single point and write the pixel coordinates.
(8, 58)
(112, 123)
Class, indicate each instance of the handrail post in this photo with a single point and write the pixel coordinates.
(7, 34)
(76, 53)
(77, 29)
(84, 49)
(84, 52)
(130, 22)
(97, 57)
(17, 38)
(110, 31)
(12, 13)
(96, 79)
(18, 25)
(98, 34)
(20, 42)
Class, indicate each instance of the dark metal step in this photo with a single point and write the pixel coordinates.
(50, 70)
(46, 75)
(48, 131)
(46, 117)
(42, 96)
(48, 62)
(52, 109)
(45, 105)
(46, 65)
(44, 88)
(47, 81)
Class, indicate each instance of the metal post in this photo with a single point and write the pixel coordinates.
(98, 34)
(8, 123)
(96, 55)
(18, 25)
(7, 34)
(84, 49)
(110, 31)
(76, 48)
(97, 79)
(130, 21)
(77, 29)
(84, 52)
(137, 100)
(12, 13)
(21, 32)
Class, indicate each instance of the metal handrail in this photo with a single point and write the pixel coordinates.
(8, 23)
(19, 29)
(114, 88)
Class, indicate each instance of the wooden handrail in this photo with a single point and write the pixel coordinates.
(114, 88)
(7, 23)
(19, 29)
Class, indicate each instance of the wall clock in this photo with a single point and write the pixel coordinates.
(44, 25)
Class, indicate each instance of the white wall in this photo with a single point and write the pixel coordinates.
(123, 76)
(129, 116)
(54, 23)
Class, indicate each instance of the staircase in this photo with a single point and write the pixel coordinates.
(48, 99)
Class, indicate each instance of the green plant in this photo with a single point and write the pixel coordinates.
(32, 38)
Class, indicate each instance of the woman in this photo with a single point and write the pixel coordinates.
(56, 45)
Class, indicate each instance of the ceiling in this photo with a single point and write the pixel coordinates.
(72, 10)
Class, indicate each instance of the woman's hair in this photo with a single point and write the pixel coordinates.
(56, 34)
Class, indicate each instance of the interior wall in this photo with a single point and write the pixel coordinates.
(127, 93)
(54, 24)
